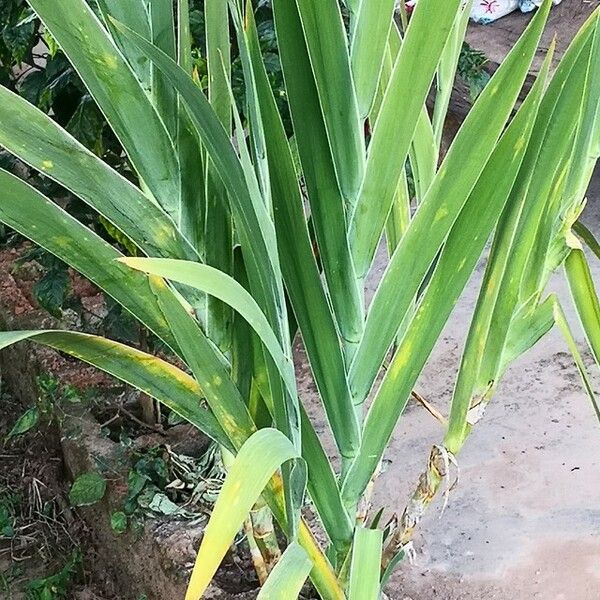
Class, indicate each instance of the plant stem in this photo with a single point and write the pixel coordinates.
(264, 534)
(364, 505)
(427, 487)
(257, 559)
(322, 574)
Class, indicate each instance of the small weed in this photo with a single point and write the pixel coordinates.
(87, 489)
(27, 421)
(471, 65)
(8, 504)
(53, 392)
(8, 578)
(55, 587)
(162, 482)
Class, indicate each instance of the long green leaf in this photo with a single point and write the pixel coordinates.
(448, 193)
(326, 202)
(218, 232)
(323, 487)
(563, 325)
(544, 202)
(253, 467)
(399, 217)
(189, 150)
(31, 214)
(299, 267)
(244, 354)
(163, 36)
(287, 578)
(497, 311)
(368, 45)
(119, 95)
(423, 156)
(587, 146)
(169, 385)
(366, 564)
(411, 79)
(585, 298)
(516, 234)
(284, 406)
(400, 213)
(135, 15)
(241, 16)
(326, 43)
(456, 263)
(162, 26)
(37, 140)
(218, 58)
(424, 152)
(447, 70)
(588, 237)
(184, 36)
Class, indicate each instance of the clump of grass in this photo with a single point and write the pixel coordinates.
(244, 244)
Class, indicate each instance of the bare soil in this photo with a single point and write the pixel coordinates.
(48, 533)
(524, 521)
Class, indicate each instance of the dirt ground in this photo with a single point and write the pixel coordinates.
(522, 524)
(49, 554)
(524, 521)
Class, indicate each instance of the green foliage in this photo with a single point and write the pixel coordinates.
(7, 529)
(471, 68)
(8, 577)
(253, 228)
(54, 392)
(52, 395)
(32, 64)
(52, 290)
(118, 522)
(87, 489)
(27, 421)
(148, 477)
(57, 586)
(18, 36)
(161, 483)
(8, 505)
